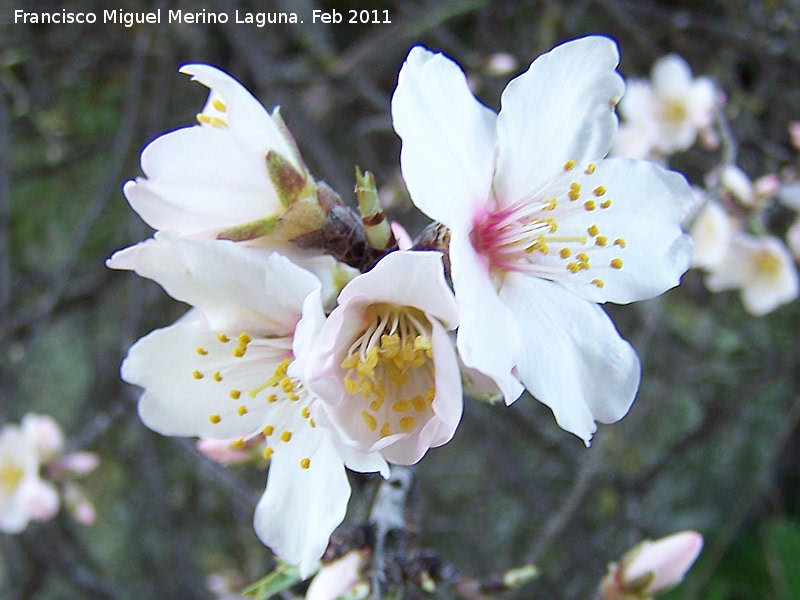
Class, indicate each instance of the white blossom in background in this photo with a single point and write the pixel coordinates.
(711, 231)
(230, 369)
(24, 495)
(652, 567)
(384, 365)
(542, 227)
(761, 267)
(671, 109)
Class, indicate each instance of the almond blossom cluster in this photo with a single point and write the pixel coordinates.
(735, 244)
(320, 341)
(37, 477)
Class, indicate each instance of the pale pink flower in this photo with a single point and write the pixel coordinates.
(793, 239)
(230, 369)
(76, 463)
(542, 227)
(383, 363)
(652, 567)
(762, 268)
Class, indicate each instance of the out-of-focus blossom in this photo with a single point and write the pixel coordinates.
(671, 109)
(711, 230)
(339, 578)
(652, 567)
(737, 186)
(794, 134)
(793, 239)
(79, 506)
(501, 63)
(383, 363)
(44, 435)
(762, 268)
(24, 496)
(542, 227)
(789, 195)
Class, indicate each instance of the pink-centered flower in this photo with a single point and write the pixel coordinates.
(542, 227)
(231, 369)
(384, 364)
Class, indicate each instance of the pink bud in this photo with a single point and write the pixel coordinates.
(668, 559)
(221, 451)
(337, 578)
(78, 463)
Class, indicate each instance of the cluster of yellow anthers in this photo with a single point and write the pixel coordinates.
(280, 384)
(538, 232)
(213, 120)
(391, 366)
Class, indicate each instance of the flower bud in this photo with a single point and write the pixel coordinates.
(44, 435)
(652, 567)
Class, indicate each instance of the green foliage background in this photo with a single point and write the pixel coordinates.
(711, 443)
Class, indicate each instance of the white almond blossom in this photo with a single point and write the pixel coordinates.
(673, 108)
(205, 179)
(24, 495)
(761, 267)
(231, 368)
(711, 231)
(542, 227)
(384, 363)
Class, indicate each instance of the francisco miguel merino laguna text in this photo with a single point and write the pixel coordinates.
(128, 19)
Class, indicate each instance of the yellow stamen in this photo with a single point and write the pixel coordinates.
(214, 419)
(268, 430)
(197, 374)
(235, 394)
(201, 351)
(286, 436)
(616, 263)
(407, 423)
(370, 421)
(242, 410)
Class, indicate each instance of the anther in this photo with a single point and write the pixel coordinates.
(620, 242)
(601, 240)
(267, 452)
(593, 230)
(565, 252)
(217, 376)
(590, 205)
(235, 394)
(616, 263)
(407, 423)
(219, 105)
(569, 165)
(286, 436)
(214, 419)
(237, 444)
(242, 410)
(223, 338)
(386, 430)
(599, 191)
(268, 430)
(590, 168)
(305, 463)
(201, 351)
(605, 203)
(598, 282)
(369, 420)
(197, 374)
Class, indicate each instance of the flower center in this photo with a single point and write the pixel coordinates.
(281, 398)
(768, 264)
(391, 366)
(10, 476)
(542, 235)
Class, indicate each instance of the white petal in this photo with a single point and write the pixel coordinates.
(573, 361)
(177, 402)
(301, 507)
(672, 77)
(647, 206)
(236, 286)
(561, 109)
(448, 137)
(407, 278)
(487, 340)
(248, 121)
(199, 179)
